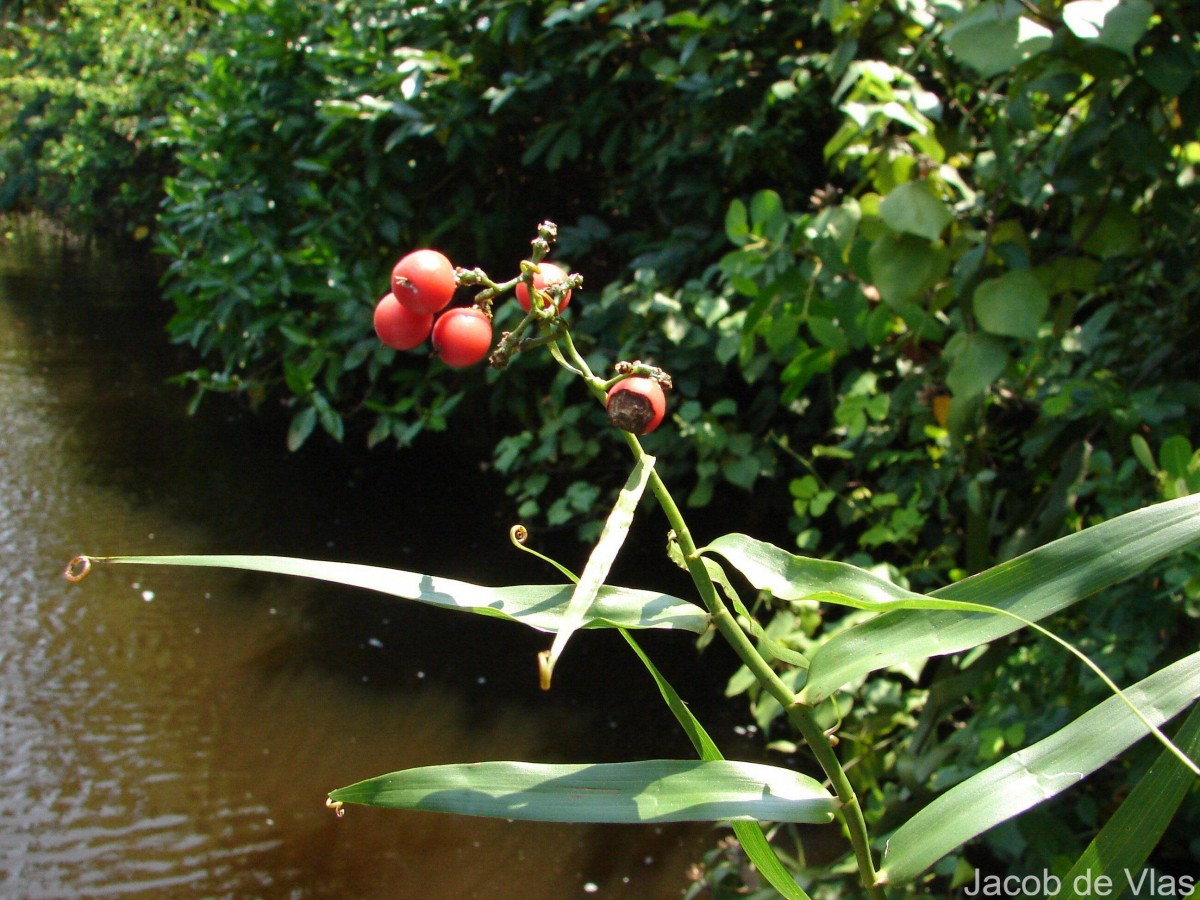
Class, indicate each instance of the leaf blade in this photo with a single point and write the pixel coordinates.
(1033, 586)
(1134, 830)
(1036, 773)
(612, 538)
(641, 792)
(537, 606)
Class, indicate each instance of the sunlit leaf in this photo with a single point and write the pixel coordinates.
(633, 792)
(1036, 773)
(913, 208)
(995, 37)
(540, 606)
(583, 595)
(1116, 24)
(1032, 586)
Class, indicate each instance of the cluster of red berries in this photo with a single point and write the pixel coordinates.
(423, 283)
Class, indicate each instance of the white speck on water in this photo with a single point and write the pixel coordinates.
(147, 596)
(376, 643)
(591, 887)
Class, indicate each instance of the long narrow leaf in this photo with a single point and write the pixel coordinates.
(1134, 830)
(1036, 773)
(859, 589)
(540, 606)
(749, 834)
(633, 792)
(1032, 586)
(616, 529)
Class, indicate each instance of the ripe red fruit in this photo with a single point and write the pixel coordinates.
(636, 404)
(398, 326)
(547, 275)
(424, 281)
(462, 336)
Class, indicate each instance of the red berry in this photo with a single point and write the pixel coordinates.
(424, 281)
(547, 274)
(462, 336)
(398, 326)
(636, 404)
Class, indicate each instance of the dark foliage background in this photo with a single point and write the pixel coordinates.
(925, 280)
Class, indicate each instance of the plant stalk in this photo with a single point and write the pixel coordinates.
(798, 713)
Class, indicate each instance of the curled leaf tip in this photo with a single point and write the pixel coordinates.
(518, 534)
(78, 568)
(336, 806)
(545, 669)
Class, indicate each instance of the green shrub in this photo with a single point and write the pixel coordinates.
(326, 139)
(83, 88)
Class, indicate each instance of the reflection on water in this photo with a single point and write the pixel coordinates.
(174, 732)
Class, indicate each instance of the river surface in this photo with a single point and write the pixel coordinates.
(174, 732)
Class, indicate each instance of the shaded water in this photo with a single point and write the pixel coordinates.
(173, 732)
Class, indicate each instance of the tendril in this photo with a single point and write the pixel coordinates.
(77, 569)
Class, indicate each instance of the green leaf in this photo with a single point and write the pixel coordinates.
(913, 208)
(540, 606)
(767, 218)
(598, 565)
(1134, 830)
(1141, 450)
(737, 223)
(1013, 304)
(791, 577)
(742, 471)
(301, 428)
(994, 37)
(900, 266)
(1175, 454)
(1032, 586)
(978, 360)
(1116, 24)
(628, 793)
(1035, 774)
(1118, 233)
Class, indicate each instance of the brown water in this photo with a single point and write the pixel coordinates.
(173, 732)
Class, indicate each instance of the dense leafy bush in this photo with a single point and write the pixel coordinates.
(326, 137)
(983, 319)
(83, 88)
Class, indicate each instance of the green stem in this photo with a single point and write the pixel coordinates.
(799, 714)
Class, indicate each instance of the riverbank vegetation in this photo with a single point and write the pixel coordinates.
(923, 275)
